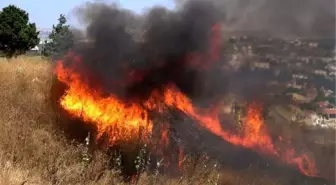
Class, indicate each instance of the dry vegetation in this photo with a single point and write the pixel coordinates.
(34, 151)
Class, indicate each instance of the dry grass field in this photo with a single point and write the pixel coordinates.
(34, 151)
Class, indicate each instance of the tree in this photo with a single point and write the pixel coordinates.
(17, 35)
(62, 40)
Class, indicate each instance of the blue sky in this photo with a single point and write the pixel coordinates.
(46, 12)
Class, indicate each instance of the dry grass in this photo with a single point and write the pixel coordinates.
(33, 151)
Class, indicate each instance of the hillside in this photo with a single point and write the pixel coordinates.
(33, 150)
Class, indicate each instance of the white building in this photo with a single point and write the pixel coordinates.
(318, 121)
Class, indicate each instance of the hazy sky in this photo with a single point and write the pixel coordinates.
(46, 12)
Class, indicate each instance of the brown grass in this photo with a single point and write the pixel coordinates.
(33, 151)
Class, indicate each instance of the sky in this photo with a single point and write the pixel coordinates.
(45, 13)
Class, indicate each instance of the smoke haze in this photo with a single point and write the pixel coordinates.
(130, 54)
(284, 18)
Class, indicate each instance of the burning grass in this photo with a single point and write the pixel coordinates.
(33, 150)
(123, 120)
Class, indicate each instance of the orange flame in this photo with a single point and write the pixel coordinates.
(164, 136)
(255, 136)
(181, 158)
(120, 121)
(123, 121)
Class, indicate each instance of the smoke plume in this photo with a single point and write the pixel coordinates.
(284, 18)
(131, 55)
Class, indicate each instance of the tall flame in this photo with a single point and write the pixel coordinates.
(123, 121)
(111, 116)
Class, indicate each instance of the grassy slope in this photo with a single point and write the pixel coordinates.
(33, 151)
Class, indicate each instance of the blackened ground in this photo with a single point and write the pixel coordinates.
(185, 133)
(198, 140)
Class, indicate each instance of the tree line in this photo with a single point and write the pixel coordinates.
(18, 35)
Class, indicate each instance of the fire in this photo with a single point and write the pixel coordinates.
(164, 136)
(120, 121)
(164, 141)
(181, 158)
(254, 137)
(124, 121)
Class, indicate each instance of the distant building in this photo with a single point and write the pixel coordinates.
(294, 84)
(261, 65)
(331, 67)
(313, 44)
(330, 113)
(299, 76)
(313, 119)
(46, 40)
(322, 104)
(44, 33)
(320, 72)
(36, 48)
(326, 92)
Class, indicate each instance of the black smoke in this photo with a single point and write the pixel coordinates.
(131, 55)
